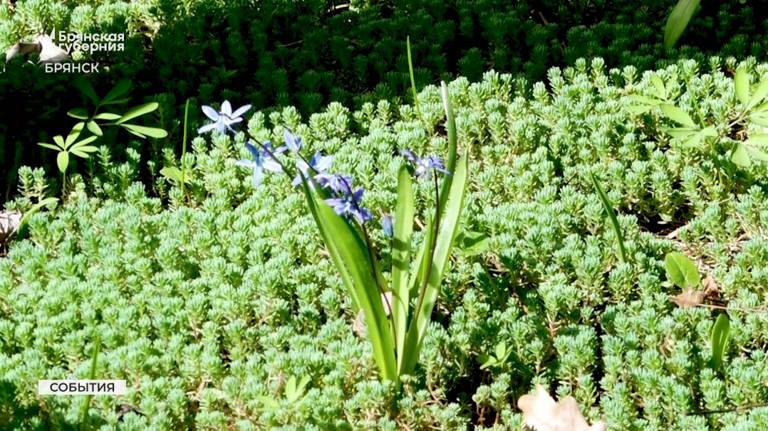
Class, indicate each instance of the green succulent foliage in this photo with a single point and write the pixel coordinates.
(203, 308)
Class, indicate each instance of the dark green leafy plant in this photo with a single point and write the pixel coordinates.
(70, 145)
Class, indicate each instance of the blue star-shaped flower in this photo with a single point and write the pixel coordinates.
(223, 119)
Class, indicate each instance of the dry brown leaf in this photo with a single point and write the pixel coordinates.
(689, 298)
(542, 413)
(710, 286)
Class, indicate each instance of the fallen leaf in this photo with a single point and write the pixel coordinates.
(9, 223)
(542, 413)
(710, 286)
(689, 298)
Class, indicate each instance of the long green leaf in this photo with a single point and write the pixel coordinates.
(608, 207)
(120, 89)
(86, 88)
(152, 132)
(761, 91)
(138, 111)
(720, 332)
(74, 134)
(741, 85)
(413, 79)
(678, 115)
(448, 228)
(401, 259)
(351, 258)
(678, 21)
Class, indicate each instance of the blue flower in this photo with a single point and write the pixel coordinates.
(292, 142)
(386, 225)
(424, 165)
(339, 184)
(318, 165)
(348, 205)
(223, 119)
(261, 161)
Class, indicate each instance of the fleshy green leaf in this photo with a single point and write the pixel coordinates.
(401, 260)
(448, 228)
(351, 257)
(720, 332)
(678, 115)
(94, 128)
(109, 116)
(741, 84)
(152, 132)
(119, 90)
(62, 160)
(138, 111)
(678, 21)
(79, 113)
(681, 270)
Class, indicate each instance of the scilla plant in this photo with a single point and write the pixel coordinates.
(397, 311)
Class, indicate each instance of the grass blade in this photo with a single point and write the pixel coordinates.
(612, 216)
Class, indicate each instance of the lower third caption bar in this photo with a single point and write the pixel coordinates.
(81, 387)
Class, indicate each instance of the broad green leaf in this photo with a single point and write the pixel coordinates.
(138, 111)
(473, 243)
(80, 153)
(699, 137)
(758, 140)
(117, 101)
(760, 93)
(62, 160)
(759, 118)
(681, 270)
(86, 88)
(678, 115)
(172, 173)
(109, 116)
(449, 225)
(290, 389)
(152, 132)
(74, 134)
(608, 208)
(720, 332)
(94, 128)
(79, 113)
(59, 140)
(501, 350)
(401, 260)
(678, 20)
(119, 90)
(741, 84)
(51, 146)
(352, 259)
(740, 156)
(486, 361)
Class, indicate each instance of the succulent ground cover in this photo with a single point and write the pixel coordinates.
(218, 305)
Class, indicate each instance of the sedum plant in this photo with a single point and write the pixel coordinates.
(397, 312)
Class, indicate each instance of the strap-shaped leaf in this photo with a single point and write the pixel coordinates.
(741, 85)
(678, 115)
(608, 207)
(720, 332)
(448, 228)
(401, 259)
(678, 21)
(138, 111)
(152, 132)
(351, 257)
